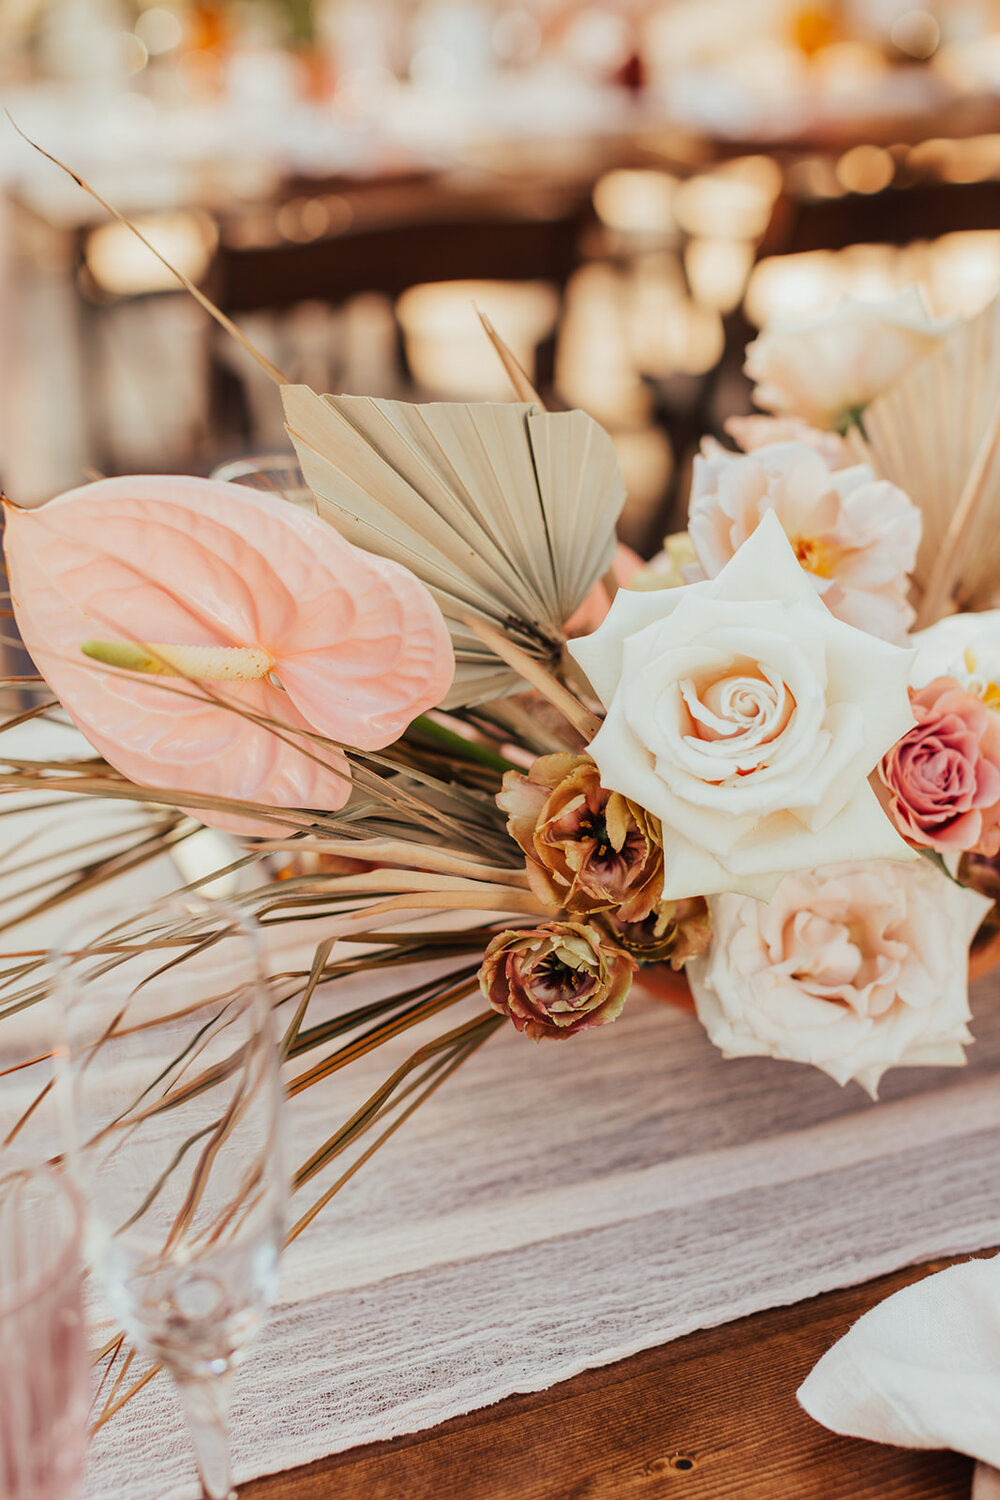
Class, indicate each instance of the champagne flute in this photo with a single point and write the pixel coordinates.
(277, 473)
(44, 1374)
(171, 1097)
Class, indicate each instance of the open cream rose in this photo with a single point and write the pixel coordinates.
(825, 371)
(856, 536)
(854, 968)
(747, 719)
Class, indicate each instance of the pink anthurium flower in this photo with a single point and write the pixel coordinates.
(149, 604)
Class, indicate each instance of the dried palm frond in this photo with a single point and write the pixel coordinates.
(936, 433)
(507, 513)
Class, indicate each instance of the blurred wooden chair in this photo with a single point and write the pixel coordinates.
(331, 242)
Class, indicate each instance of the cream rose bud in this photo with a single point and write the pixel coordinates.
(747, 718)
(825, 370)
(855, 968)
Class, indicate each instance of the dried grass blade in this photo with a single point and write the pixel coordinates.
(111, 1410)
(345, 1177)
(185, 281)
(116, 1387)
(320, 960)
(402, 1004)
(379, 1034)
(501, 898)
(16, 1129)
(411, 856)
(523, 388)
(478, 1028)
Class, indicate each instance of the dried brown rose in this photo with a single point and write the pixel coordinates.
(586, 849)
(557, 979)
(674, 932)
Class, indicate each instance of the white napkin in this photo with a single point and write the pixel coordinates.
(922, 1370)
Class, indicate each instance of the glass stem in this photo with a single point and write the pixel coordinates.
(206, 1407)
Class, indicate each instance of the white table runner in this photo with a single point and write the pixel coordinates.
(559, 1207)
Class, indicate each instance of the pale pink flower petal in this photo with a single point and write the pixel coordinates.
(855, 536)
(757, 431)
(357, 643)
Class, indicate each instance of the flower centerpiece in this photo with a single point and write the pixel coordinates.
(746, 768)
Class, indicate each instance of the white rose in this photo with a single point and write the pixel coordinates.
(825, 370)
(747, 719)
(966, 647)
(855, 968)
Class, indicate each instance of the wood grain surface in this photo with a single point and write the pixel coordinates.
(709, 1417)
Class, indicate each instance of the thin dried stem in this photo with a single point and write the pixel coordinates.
(585, 722)
(185, 281)
(523, 388)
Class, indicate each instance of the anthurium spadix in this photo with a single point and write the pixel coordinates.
(163, 611)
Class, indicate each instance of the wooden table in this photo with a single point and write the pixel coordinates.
(709, 1417)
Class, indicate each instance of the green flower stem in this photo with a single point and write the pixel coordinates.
(938, 861)
(851, 416)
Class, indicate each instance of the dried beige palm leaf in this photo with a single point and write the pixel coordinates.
(507, 513)
(936, 433)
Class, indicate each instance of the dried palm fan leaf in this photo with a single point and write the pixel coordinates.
(936, 433)
(506, 512)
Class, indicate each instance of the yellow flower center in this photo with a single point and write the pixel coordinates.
(814, 555)
(988, 691)
(197, 663)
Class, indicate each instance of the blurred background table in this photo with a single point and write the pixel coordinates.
(709, 1417)
(629, 190)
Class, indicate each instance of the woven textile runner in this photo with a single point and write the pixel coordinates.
(550, 1209)
(558, 1207)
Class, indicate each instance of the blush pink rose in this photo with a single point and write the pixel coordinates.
(943, 776)
(854, 968)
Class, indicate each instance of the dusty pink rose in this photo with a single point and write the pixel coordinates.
(586, 849)
(854, 968)
(943, 777)
(555, 980)
(757, 431)
(856, 536)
